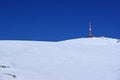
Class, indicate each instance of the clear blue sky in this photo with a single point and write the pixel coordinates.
(54, 20)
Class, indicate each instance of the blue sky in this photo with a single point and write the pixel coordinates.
(54, 20)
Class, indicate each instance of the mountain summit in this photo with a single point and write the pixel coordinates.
(96, 58)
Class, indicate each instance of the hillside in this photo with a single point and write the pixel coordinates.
(75, 59)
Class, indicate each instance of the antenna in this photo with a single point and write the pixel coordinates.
(90, 31)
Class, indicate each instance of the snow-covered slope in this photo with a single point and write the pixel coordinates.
(77, 59)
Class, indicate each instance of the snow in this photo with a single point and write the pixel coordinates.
(95, 58)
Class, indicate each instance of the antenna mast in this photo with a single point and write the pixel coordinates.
(90, 31)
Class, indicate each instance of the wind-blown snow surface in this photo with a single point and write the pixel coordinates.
(77, 59)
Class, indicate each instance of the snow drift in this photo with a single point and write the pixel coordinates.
(77, 59)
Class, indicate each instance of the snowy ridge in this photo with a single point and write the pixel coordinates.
(93, 41)
(77, 59)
